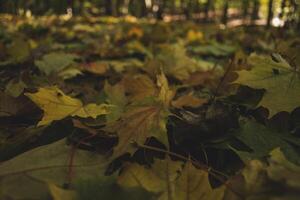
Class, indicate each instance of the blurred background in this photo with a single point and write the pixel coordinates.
(230, 12)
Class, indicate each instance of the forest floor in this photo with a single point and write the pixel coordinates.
(126, 108)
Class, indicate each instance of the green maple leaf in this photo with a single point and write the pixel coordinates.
(55, 62)
(17, 52)
(278, 78)
(30, 173)
(40, 173)
(262, 140)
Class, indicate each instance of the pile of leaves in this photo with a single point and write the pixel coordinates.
(120, 108)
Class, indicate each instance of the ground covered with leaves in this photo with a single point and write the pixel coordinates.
(120, 108)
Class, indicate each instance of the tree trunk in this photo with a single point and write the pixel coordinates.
(225, 12)
(138, 8)
(206, 9)
(282, 7)
(161, 8)
(255, 11)
(108, 7)
(245, 8)
(270, 13)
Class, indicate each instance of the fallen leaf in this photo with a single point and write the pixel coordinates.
(60, 194)
(160, 178)
(115, 96)
(165, 94)
(170, 181)
(200, 78)
(18, 51)
(263, 140)
(194, 184)
(175, 61)
(136, 125)
(31, 173)
(10, 106)
(14, 88)
(213, 49)
(98, 67)
(188, 100)
(69, 73)
(282, 170)
(278, 78)
(139, 87)
(56, 105)
(55, 62)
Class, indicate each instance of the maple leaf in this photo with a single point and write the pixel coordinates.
(37, 173)
(160, 178)
(188, 100)
(165, 94)
(139, 87)
(98, 67)
(115, 96)
(278, 78)
(143, 120)
(282, 170)
(17, 52)
(170, 181)
(55, 62)
(263, 140)
(261, 180)
(61, 194)
(175, 62)
(56, 105)
(194, 184)
(214, 49)
(138, 124)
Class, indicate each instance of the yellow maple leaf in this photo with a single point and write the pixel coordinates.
(194, 184)
(165, 94)
(56, 105)
(160, 178)
(169, 180)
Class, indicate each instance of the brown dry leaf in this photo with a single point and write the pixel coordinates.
(188, 100)
(139, 87)
(99, 67)
(79, 124)
(10, 106)
(200, 78)
(136, 125)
